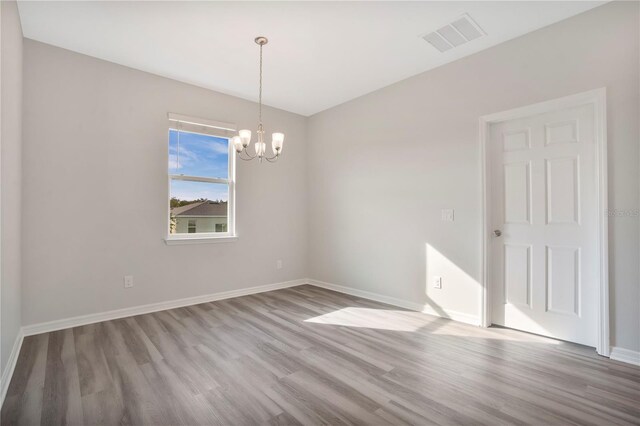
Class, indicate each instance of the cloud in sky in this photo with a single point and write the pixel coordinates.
(173, 163)
(181, 157)
(220, 148)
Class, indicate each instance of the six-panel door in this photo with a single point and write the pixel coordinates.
(544, 200)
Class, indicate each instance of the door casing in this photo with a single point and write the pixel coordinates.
(597, 98)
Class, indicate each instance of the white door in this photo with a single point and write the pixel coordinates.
(544, 273)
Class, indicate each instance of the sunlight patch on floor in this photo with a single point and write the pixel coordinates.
(380, 319)
(504, 334)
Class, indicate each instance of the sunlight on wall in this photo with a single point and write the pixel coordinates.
(460, 292)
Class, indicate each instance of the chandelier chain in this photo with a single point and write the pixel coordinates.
(260, 93)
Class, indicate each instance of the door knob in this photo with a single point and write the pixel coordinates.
(497, 232)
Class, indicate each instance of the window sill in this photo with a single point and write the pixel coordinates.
(170, 241)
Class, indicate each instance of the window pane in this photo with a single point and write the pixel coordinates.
(195, 154)
(198, 207)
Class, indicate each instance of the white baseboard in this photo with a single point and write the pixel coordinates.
(625, 355)
(444, 313)
(62, 324)
(7, 374)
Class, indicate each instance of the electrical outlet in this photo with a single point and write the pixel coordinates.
(446, 215)
(278, 264)
(128, 281)
(437, 282)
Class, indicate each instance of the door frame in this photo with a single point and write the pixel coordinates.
(597, 98)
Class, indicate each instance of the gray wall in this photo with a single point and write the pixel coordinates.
(10, 175)
(95, 148)
(382, 166)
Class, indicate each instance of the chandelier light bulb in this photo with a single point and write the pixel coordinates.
(277, 139)
(237, 144)
(245, 136)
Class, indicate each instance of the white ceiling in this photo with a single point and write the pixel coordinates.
(320, 54)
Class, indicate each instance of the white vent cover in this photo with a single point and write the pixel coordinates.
(462, 30)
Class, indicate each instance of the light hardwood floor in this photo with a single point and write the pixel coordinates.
(311, 356)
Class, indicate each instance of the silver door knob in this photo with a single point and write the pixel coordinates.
(497, 232)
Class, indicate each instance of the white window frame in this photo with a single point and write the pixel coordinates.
(183, 123)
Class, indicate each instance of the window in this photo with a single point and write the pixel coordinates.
(201, 180)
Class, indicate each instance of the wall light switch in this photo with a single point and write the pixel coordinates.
(437, 282)
(447, 215)
(278, 264)
(128, 281)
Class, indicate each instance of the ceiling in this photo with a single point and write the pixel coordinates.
(320, 54)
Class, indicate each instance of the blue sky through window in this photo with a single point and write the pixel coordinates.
(194, 154)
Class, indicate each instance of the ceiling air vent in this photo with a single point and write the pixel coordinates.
(462, 30)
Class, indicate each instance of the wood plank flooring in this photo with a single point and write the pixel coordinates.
(310, 356)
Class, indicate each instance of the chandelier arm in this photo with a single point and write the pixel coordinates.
(249, 156)
(272, 159)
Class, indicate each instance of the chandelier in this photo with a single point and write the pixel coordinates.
(243, 139)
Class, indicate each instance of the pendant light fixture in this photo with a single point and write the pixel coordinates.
(243, 139)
